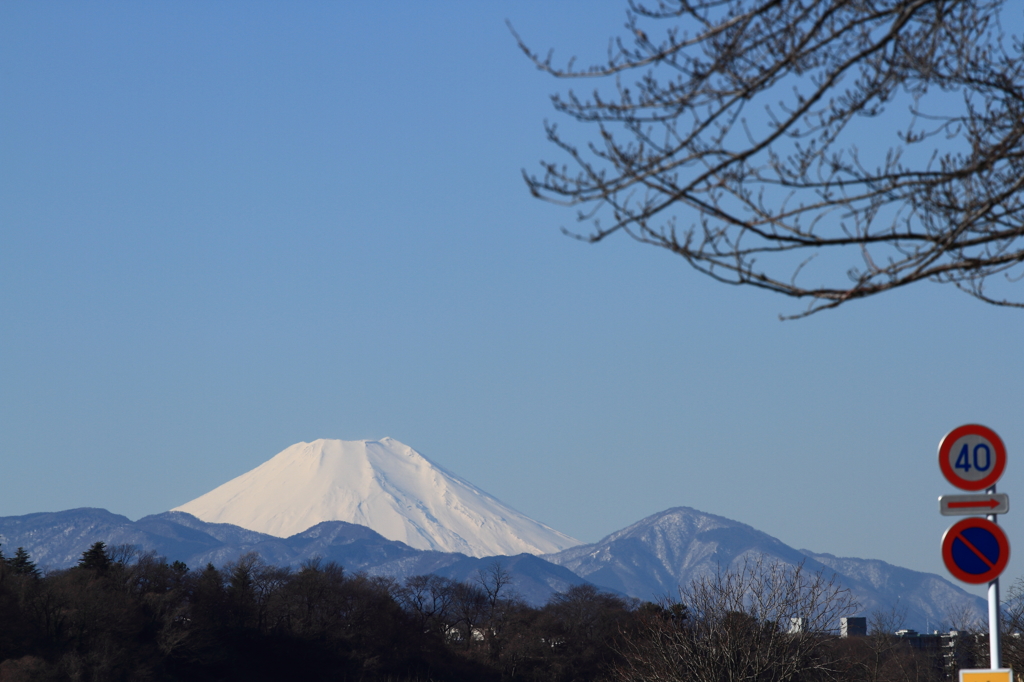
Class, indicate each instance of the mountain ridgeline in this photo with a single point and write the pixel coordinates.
(383, 509)
(648, 560)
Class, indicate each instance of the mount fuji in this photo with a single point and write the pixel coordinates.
(363, 503)
(382, 484)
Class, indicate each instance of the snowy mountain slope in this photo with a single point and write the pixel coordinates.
(653, 557)
(384, 485)
(57, 539)
(650, 558)
(924, 594)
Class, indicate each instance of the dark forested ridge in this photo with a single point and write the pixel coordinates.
(120, 615)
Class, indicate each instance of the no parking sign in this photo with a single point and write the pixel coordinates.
(975, 550)
(972, 457)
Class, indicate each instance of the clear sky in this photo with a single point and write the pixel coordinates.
(226, 228)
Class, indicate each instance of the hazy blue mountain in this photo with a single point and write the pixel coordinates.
(56, 540)
(647, 560)
(653, 557)
(930, 601)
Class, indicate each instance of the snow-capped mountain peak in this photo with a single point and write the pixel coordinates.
(382, 484)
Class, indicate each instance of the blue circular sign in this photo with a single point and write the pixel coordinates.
(975, 550)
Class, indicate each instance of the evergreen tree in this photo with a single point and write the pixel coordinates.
(20, 563)
(95, 558)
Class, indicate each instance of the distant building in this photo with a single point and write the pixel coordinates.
(853, 627)
(953, 649)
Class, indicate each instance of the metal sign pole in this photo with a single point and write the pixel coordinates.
(993, 607)
(972, 457)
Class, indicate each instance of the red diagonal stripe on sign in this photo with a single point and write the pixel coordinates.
(961, 538)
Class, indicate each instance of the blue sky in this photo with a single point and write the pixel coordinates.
(228, 228)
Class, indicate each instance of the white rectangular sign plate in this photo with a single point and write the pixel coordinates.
(974, 505)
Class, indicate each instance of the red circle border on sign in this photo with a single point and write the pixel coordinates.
(972, 429)
(947, 550)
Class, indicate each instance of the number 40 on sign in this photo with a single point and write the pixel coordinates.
(963, 460)
(972, 457)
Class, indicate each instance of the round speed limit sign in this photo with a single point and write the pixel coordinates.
(972, 457)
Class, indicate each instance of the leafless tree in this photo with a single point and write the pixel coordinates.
(824, 149)
(502, 601)
(884, 656)
(255, 585)
(963, 617)
(428, 599)
(885, 623)
(314, 596)
(971, 646)
(1012, 626)
(737, 625)
(123, 554)
(468, 611)
(496, 582)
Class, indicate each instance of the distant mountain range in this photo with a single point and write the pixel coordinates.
(651, 558)
(382, 508)
(648, 560)
(56, 540)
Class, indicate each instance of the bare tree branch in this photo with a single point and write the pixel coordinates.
(740, 146)
(739, 625)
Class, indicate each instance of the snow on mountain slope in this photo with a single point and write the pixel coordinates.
(653, 557)
(384, 485)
